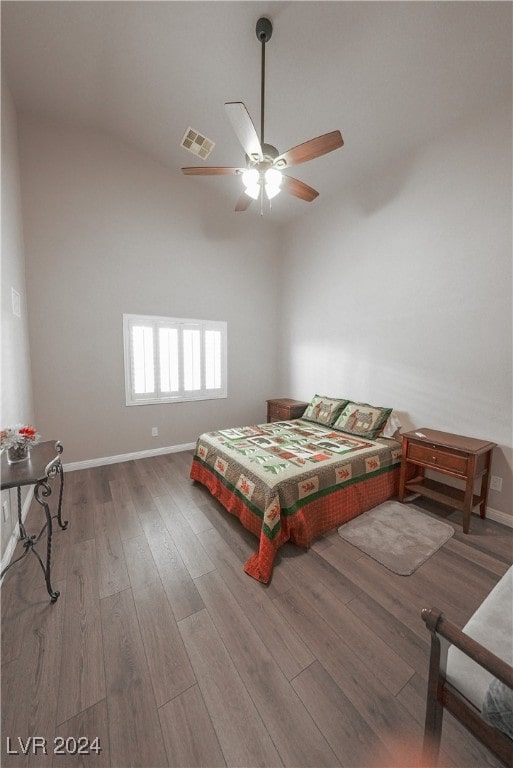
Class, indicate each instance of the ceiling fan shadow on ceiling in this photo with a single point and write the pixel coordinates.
(263, 176)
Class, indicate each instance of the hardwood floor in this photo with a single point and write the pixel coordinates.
(166, 651)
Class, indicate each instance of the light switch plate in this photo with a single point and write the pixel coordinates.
(16, 302)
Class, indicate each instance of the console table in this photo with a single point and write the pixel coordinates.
(43, 464)
(465, 458)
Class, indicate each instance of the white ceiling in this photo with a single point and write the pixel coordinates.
(390, 75)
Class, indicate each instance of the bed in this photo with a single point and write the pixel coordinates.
(294, 480)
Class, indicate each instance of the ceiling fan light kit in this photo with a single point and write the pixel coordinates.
(262, 176)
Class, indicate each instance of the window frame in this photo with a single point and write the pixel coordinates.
(181, 324)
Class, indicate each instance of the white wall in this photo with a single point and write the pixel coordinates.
(400, 293)
(109, 231)
(16, 398)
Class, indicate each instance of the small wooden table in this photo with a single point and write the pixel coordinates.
(453, 455)
(284, 409)
(43, 464)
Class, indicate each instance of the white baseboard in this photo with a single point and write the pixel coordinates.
(499, 517)
(88, 463)
(11, 544)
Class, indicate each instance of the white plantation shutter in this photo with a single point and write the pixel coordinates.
(213, 359)
(191, 359)
(143, 364)
(169, 356)
(172, 359)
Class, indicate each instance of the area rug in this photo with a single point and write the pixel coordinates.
(399, 536)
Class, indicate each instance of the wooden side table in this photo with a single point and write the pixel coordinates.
(43, 464)
(284, 409)
(457, 456)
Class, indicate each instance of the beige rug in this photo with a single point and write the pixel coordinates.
(399, 536)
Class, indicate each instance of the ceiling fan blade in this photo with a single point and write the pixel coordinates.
(298, 189)
(310, 149)
(243, 126)
(243, 202)
(210, 170)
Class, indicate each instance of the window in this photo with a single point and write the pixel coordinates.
(169, 360)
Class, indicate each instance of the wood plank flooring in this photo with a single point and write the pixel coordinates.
(166, 651)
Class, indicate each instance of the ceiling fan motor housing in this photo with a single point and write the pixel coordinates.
(269, 154)
(264, 29)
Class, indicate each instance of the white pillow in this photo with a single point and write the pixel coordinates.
(392, 425)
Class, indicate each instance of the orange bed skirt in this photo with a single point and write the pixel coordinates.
(308, 522)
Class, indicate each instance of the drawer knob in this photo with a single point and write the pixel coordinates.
(434, 459)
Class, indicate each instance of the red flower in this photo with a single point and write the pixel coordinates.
(28, 432)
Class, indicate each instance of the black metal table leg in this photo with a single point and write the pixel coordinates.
(42, 465)
(23, 532)
(62, 524)
(41, 493)
(29, 543)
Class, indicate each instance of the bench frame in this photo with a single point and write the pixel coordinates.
(443, 695)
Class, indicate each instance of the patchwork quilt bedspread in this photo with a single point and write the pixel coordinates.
(293, 480)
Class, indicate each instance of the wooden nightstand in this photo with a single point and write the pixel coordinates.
(283, 409)
(453, 455)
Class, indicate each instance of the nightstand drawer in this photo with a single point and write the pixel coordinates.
(436, 457)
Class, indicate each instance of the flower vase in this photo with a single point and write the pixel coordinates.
(16, 453)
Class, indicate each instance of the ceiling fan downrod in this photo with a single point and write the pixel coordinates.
(264, 31)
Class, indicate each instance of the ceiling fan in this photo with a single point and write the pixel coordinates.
(264, 164)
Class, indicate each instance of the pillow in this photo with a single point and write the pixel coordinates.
(324, 410)
(392, 427)
(362, 419)
(498, 707)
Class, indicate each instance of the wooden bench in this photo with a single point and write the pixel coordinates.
(462, 666)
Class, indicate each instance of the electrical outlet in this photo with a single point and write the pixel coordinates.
(5, 510)
(154, 431)
(496, 483)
